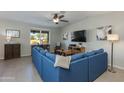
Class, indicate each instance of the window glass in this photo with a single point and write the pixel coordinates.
(37, 37)
(44, 37)
(34, 37)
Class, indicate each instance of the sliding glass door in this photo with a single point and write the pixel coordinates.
(44, 37)
(34, 37)
(39, 37)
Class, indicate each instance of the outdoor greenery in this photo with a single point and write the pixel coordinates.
(38, 38)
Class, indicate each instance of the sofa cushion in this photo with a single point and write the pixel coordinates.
(90, 53)
(99, 51)
(43, 52)
(34, 47)
(51, 56)
(37, 48)
(77, 56)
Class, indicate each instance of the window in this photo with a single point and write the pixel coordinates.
(38, 37)
(34, 37)
(44, 37)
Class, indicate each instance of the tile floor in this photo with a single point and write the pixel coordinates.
(22, 70)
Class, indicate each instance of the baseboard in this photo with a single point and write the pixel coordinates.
(119, 67)
(1, 58)
(25, 55)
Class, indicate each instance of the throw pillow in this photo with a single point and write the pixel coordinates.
(62, 61)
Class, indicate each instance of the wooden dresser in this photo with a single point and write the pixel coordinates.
(12, 51)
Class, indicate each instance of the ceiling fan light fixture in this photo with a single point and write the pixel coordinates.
(56, 20)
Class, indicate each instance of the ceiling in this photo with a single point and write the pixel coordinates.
(43, 18)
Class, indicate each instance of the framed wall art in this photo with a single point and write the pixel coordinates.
(103, 31)
(13, 33)
(65, 36)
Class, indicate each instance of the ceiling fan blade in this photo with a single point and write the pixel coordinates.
(61, 16)
(64, 20)
(55, 16)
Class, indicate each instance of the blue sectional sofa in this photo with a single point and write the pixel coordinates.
(84, 67)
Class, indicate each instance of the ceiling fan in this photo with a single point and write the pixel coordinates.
(58, 18)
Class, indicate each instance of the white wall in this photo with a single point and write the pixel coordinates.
(116, 19)
(54, 37)
(24, 35)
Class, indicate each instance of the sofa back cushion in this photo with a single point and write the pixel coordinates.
(94, 52)
(89, 53)
(51, 56)
(99, 51)
(77, 56)
(43, 52)
(38, 48)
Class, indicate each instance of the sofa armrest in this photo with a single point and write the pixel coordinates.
(97, 65)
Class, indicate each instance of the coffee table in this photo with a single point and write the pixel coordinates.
(59, 52)
(67, 52)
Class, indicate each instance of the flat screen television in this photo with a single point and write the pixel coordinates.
(78, 36)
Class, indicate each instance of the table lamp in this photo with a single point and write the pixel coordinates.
(112, 38)
(8, 38)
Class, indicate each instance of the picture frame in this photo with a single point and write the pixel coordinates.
(65, 36)
(13, 33)
(103, 31)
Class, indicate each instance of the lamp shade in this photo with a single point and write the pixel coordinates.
(8, 38)
(113, 37)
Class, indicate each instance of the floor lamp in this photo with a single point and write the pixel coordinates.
(112, 38)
